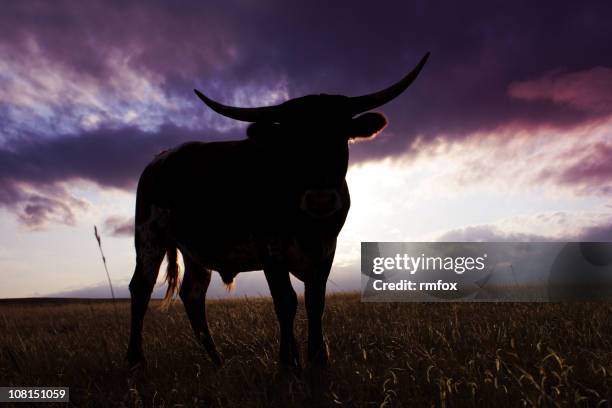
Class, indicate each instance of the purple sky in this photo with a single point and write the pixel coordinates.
(90, 91)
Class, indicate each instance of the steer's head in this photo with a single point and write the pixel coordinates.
(307, 138)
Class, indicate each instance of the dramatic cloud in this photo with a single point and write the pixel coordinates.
(34, 209)
(119, 226)
(34, 170)
(109, 157)
(91, 91)
(592, 170)
(146, 60)
(589, 90)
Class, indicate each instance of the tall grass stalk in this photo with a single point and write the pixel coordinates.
(110, 284)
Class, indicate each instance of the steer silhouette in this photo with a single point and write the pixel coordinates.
(275, 201)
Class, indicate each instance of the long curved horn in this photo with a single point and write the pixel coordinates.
(358, 104)
(266, 113)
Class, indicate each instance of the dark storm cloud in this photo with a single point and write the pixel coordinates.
(108, 157)
(477, 51)
(171, 40)
(492, 64)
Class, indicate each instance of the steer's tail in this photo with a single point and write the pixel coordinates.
(172, 276)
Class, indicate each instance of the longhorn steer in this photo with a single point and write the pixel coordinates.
(275, 201)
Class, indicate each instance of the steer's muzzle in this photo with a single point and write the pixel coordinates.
(320, 203)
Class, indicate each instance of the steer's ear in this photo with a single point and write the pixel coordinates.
(367, 125)
(261, 131)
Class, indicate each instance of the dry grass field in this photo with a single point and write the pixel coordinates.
(512, 354)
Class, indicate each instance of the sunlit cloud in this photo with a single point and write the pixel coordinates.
(47, 97)
(500, 185)
(589, 90)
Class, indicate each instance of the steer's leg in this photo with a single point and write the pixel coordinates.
(314, 297)
(193, 294)
(285, 305)
(148, 259)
